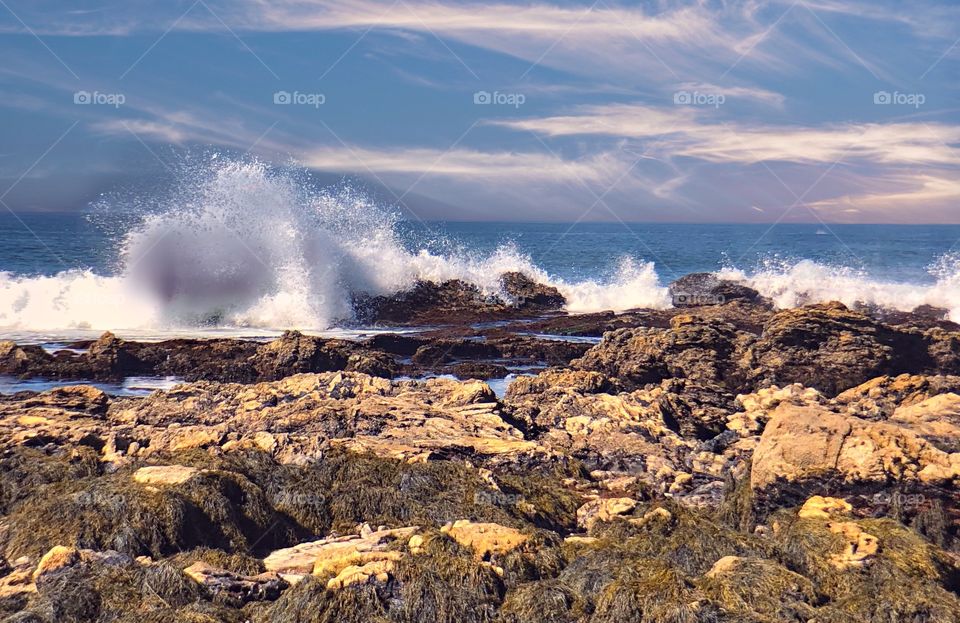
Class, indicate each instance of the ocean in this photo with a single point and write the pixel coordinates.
(245, 250)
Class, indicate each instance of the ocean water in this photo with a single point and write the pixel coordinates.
(240, 248)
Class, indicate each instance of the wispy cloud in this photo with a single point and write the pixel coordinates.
(686, 131)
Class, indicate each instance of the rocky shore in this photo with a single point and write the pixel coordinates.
(719, 461)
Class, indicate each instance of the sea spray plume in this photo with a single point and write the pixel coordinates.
(240, 245)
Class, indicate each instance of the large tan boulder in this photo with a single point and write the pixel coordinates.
(809, 443)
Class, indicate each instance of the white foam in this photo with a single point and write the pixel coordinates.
(241, 246)
(806, 281)
(245, 250)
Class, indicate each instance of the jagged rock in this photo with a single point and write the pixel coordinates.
(110, 355)
(936, 419)
(603, 509)
(878, 398)
(16, 360)
(84, 399)
(528, 294)
(830, 348)
(692, 349)
(429, 303)
(237, 588)
(303, 413)
(758, 406)
(485, 539)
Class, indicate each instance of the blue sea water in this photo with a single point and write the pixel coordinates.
(49, 243)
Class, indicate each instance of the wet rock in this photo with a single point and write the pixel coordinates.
(528, 294)
(113, 359)
(16, 360)
(701, 289)
(427, 303)
(479, 371)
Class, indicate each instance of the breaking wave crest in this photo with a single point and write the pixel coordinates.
(791, 284)
(242, 245)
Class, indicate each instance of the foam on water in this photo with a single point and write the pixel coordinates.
(240, 248)
(790, 284)
(241, 245)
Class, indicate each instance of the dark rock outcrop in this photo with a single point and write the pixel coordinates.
(525, 293)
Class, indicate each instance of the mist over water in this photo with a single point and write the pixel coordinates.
(239, 245)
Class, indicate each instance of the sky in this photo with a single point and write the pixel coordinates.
(834, 111)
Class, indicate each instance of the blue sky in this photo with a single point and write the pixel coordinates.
(760, 111)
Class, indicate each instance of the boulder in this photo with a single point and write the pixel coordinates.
(526, 293)
(331, 555)
(819, 507)
(703, 289)
(692, 349)
(830, 348)
(811, 444)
